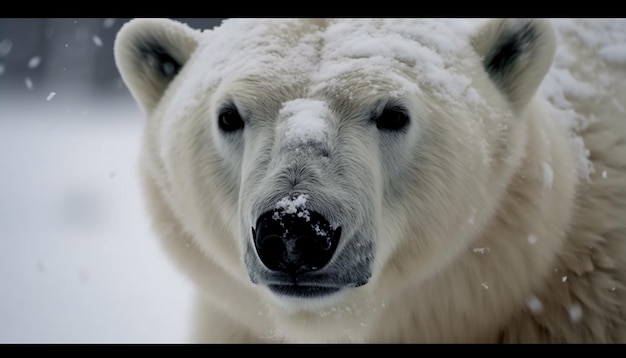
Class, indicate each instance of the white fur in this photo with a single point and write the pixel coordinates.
(464, 239)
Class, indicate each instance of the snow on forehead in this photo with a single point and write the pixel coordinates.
(396, 38)
(241, 47)
(372, 49)
(306, 120)
(430, 49)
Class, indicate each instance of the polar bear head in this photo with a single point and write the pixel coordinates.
(319, 159)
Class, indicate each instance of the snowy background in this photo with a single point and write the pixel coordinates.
(78, 261)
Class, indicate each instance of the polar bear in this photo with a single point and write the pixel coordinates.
(388, 180)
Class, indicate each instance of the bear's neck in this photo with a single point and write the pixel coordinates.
(506, 264)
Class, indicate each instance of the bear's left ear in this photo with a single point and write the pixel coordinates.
(517, 54)
(149, 53)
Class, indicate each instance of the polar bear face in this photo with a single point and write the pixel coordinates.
(318, 159)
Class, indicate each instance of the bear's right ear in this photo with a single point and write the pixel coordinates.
(517, 54)
(149, 53)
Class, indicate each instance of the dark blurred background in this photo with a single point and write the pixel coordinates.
(68, 56)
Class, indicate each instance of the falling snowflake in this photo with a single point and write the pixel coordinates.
(50, 96)
(5, 47)
(34, 62)
(534, 304)
(97, 40)
(471, 219)
(548, 175)
(575, 313)
(108, 23)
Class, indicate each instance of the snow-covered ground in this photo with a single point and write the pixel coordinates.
(78, 261)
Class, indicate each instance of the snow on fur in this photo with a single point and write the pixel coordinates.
(305, 120)
(431, 48)
(290, 206)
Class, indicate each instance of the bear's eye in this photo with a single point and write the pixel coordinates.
(392, 119)
(229, 120)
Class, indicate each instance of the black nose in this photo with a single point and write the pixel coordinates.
(296, 242)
